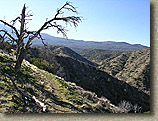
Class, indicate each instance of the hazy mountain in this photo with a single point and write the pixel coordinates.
(78, 45)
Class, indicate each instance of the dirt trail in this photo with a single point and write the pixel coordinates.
(50, 83)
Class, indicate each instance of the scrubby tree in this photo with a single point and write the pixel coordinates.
(19, 34)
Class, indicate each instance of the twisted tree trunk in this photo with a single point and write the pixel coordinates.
(20, 58)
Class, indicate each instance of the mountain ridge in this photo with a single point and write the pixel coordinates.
(78, 45)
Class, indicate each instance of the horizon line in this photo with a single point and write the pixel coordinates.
(108, 40)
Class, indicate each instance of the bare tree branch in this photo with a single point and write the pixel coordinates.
(42, 39)
(12, 27)
(14, 21)
(70, 19)
(6, 33)
(2, 37)
(4, 65)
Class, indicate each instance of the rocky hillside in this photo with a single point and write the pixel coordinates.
(57, 50)
(56, 94)
(131, 67)
(98, 55)
(90, 78)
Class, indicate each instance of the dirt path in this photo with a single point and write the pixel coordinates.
(53, 84)
(50, 83)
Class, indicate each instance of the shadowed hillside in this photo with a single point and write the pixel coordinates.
(92, 79)
(131, 67)
(98, 55)
(58, 95)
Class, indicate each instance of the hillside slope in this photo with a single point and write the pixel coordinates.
(98, 55)
(58, 95)
(90, 78)
(38, 51)
(131, 67)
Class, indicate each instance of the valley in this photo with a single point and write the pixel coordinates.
(93, 78)
(100, 73)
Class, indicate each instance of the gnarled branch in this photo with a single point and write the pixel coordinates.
(12, 27)
(69, 19)
(9, 35)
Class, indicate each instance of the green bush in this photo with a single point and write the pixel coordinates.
(42, 64)
(5, 46)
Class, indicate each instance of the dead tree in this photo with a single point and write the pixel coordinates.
(24, 33)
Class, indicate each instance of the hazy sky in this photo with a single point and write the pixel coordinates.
(115, 20)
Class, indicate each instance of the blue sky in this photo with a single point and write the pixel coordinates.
(104, 20)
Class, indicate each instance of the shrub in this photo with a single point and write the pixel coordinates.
(128, 107)
(5, 46)
(42, 64)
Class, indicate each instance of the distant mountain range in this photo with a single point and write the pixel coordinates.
(78, 45)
